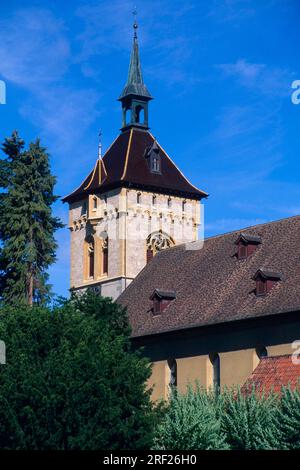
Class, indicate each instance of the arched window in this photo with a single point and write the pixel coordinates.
(105, 256)
(91, 258)
(127, 116)
(215, 360)
(169, 202)
(140, 114)
(172, 364)
(261, 352)
(138, 198)
(153, 200)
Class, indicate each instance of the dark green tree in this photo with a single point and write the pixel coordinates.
(27, 226)
(72, 380)
(289, 418)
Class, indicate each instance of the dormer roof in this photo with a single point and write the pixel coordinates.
(248, 238)
(267, 274)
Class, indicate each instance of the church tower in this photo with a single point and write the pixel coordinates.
(134, 203)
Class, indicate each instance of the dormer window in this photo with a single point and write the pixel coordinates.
(265, 280)
(246, 244)
(160, 300)
(156, 165)
(153, 158)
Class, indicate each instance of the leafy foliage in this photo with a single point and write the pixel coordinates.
(27, 226)
(191, 422)
(289, 418)
(250, 421)
(71, 380)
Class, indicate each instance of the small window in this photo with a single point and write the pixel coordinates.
(183, 206)
(156, 306)
(153, 200)
(261, 286)
(169, 202)
(242, 250)
(94, 203)
(105, 259)
(138, 198)
(84, 208)
(91, 259)
(156, 164)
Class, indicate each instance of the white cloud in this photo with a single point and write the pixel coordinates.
(63, 114)
(269, 81)
(33, 48)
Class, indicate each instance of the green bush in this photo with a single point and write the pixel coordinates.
(249, 421)
(191, 422)
(289, 418)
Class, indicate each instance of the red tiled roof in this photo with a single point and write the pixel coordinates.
(212, 286)
(124, 164)
(272, 373)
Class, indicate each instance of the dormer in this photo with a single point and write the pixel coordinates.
(153, 158)
(246, 244)
(265, 280)
(161, 299)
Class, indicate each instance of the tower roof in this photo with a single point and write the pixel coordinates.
(125, 165)
(135, 83)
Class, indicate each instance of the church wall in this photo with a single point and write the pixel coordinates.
(235, 342)
(236, 366)
(192, 370)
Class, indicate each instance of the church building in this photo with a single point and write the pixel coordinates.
(224, 311)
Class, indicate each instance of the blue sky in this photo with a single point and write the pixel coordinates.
(221, 74)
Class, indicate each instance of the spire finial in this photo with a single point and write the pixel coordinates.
(100, 145)
(135, 24)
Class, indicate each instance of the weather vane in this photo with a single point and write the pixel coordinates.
(100, 145)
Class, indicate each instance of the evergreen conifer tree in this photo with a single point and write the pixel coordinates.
(27, 226)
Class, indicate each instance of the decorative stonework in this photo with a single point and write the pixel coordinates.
(158, 241)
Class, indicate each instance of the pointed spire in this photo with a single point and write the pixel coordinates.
(135, 84)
